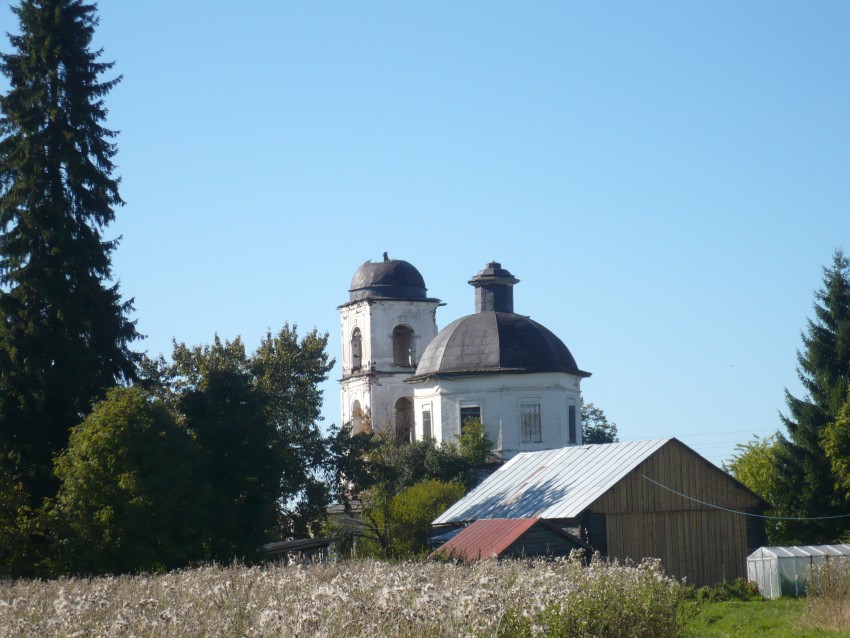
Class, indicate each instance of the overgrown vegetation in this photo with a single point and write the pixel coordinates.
(828, 602)
(506, 599)
(510, 599)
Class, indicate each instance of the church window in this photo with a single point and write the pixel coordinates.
(530, 422)
(356, 417)
(356, 350)
(403, 420)
(403, 346)
(573, 433)
(469, 413)
(426, 423)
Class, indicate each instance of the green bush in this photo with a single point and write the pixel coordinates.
(740, 589)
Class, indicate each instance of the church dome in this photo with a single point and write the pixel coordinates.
(488, 342)
(388, 279)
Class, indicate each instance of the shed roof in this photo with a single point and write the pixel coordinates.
(298, 545)
(485, 538)
(558, 483)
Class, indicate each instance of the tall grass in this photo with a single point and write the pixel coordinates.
(828, 601)
(510, 599)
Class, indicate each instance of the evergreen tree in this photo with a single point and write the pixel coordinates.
(64, 333)
(805, 473)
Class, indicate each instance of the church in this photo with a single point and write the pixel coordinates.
(404, 377)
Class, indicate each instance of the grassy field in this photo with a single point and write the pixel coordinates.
(782, 618)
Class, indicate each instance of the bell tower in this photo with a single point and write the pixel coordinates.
(386, 325)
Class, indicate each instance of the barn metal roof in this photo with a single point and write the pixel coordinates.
(558, 483)
(485, 538)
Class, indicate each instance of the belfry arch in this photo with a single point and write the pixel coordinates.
(356, 350)
(403, 346)
(403, 420)
(356, 417)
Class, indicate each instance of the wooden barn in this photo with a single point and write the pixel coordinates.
(634, 500)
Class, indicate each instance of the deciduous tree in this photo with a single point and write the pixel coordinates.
(595, 427)
(412, 510)
(378, 472)
(130, 489)
(756, 465)
(254, 419)
(836, 443)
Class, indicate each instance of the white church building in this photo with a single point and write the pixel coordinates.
(503, 368)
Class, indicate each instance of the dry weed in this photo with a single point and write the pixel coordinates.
(357, 598)
(828, 602)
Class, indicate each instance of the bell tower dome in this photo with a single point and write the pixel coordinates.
(386, 325)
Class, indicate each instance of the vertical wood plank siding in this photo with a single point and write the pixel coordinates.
(704, 544)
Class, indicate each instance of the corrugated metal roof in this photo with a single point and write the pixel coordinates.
(551, 484)
(485, 538)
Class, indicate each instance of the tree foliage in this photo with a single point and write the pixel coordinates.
(474, 445)
(64, 333)
(375, 472)
(595, 426)
(254, 419)
(836, 444)
(410, 513)
(17, 523)
(756, 465)
(130, 496)
(805, 470)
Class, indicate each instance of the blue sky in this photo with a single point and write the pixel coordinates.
(666, 179)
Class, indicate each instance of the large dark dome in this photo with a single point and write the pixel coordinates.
(389, 279)
(488, 342)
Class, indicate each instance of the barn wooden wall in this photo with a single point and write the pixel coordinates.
(706, 547)
(703, 544)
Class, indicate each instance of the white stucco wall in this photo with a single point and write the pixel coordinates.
(380, 382)
(499, 397)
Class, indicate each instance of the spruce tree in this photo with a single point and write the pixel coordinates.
(805, 474)
(64, 332)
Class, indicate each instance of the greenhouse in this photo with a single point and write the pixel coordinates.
(784, 571)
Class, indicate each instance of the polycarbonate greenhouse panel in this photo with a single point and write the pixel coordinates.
(785, 571)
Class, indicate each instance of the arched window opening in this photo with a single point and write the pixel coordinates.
(356, 350)
(403, 346)
(403, 421)
(356, 418)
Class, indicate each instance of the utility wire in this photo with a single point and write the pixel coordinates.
(731, 511)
